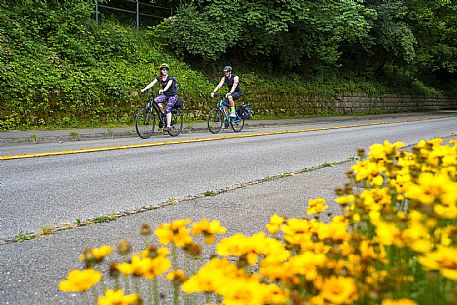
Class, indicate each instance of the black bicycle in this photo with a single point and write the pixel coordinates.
(218, 117)
(150, 115)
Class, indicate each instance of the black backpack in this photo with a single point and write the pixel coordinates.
(244, 111)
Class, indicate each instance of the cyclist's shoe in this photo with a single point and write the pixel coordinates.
(167, 129)
(232, 114)
(226, 125)
(160, 124)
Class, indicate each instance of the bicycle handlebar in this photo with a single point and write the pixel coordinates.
(150, 92)
(216, 95)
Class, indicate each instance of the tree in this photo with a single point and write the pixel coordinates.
(434, 25)
(289, 31)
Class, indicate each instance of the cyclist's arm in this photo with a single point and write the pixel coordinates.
(169, 84)
(150, 85)
(236, 80)
(221, 83)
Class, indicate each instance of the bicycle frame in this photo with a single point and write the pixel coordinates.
(153, 105)
(223, 108)
(219, 116)
(145, 121)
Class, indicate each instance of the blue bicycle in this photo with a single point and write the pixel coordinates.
(218, 117)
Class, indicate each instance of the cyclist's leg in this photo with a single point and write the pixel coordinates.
(235, 96)
(160, 100)
(171, 101)
(226, 104)
(232, 105)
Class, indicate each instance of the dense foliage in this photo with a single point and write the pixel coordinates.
(296, 32)
(59, 69)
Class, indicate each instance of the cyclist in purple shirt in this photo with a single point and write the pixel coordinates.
(233, 84)
(167, 92)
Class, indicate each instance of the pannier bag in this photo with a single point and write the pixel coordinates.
(244, 111)
(179, 102)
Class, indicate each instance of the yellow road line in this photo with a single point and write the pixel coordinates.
(234, 136)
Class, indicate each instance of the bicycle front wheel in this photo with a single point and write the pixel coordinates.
(144, 123)
(176, 122)
(237, 124)
(215, 120)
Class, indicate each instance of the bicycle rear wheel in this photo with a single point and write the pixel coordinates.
(215, 120)
(237, 123)
(145, 123)
(176, 122)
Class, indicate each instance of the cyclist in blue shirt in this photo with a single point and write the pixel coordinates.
(233, 85)
(167, 92)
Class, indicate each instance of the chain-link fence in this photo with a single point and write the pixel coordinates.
(146, 14)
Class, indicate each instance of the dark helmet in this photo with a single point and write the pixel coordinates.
(164, 65)
(228, 69)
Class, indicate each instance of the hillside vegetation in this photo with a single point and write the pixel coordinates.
(59, 69)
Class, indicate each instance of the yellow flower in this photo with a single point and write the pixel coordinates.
(306, 264)
(296, 230)
(446, 235)
(242, 292)
(97, 253)
(101, 252)
(275, 222)
(80, 280)
(216, 273)
(135, 267)
(398, 302)
(387, 233)
(382, 152)
(176, 233)
(345, 200)
(447, 211)
(431, 188)
(444, 260)
(369, 171)
(117, 297)
(153, 252)
(416, 237)
(316, 206)
(376, 199)
(335, 230)
(208, 229)
(144, 265)
(251, 247)
(177, 275)
(338, 290)
(153, 267)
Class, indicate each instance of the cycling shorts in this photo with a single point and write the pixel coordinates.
(235, 95)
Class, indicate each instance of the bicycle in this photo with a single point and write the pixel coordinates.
(145, 121)
(218, 117)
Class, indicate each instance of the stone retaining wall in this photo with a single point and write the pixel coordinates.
(350, 104)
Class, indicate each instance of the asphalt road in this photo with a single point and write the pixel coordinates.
(55, 190)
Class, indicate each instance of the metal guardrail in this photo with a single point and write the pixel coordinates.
(137, 12)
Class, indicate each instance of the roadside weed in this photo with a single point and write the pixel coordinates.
(24, 236)
(104, 218)
(171, 200)
(209, 193)
(46, 230)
